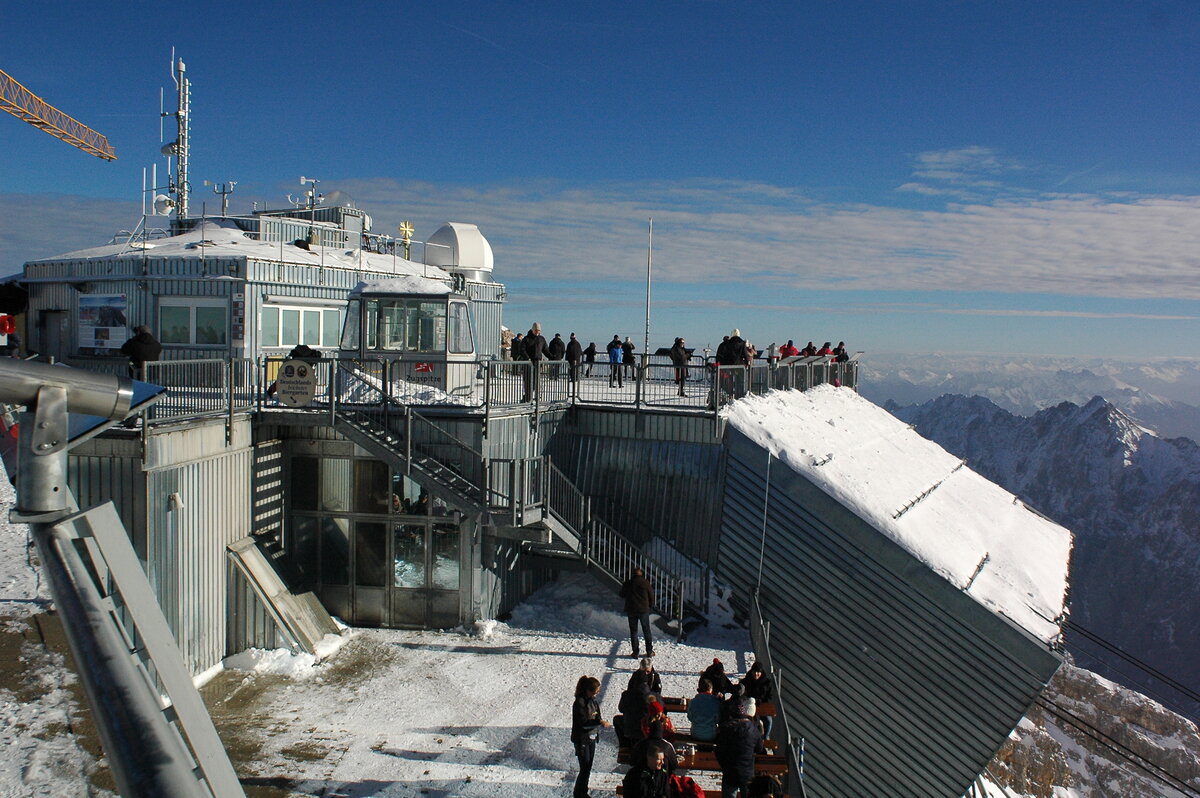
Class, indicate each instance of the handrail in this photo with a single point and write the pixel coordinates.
(760, 638)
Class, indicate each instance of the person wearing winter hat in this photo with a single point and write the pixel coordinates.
(585, 729)
(738, 740)
(715, 673)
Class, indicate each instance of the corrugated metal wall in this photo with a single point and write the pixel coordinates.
(648, 474)
(111, 468)
(487, 306)
(901, 684)
(197, 503)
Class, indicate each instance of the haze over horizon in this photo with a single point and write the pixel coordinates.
(953, 177)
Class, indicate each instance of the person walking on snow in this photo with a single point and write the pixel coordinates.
(638, 598)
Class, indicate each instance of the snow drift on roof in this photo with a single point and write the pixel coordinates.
(948, 516)
(408, 284)
(218, 238)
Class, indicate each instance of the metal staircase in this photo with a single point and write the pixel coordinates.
(530, 492)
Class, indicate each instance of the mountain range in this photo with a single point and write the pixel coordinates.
(1132, 499)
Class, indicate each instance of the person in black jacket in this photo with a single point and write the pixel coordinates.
(556, 350)
(738, 740)
(590, 355)
(648, 778)
(585, 729)
(534, 346)
(141, 349)
(758, 687)
(638, 598)
(517, 352)
(627, 357)
(715, 674)
(679, 359)
(646, 676)
(574, 358)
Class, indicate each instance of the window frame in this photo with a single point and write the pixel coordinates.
(191, 304)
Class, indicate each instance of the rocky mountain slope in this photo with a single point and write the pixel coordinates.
(1132, 499)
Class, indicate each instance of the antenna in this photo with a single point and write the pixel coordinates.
(224, 189)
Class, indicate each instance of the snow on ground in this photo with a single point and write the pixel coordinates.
(483, 711)
(22, 590)
(972, 532)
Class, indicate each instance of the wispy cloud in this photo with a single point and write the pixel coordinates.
(749, 235)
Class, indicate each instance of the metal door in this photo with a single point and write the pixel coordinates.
(425, 577)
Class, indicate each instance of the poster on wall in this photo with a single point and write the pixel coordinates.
(103, 324)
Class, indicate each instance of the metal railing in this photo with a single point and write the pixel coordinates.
(760, 639)
(201, 387)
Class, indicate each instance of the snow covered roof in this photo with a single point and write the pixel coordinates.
(408, 284)
(920, 496)
(222, 238)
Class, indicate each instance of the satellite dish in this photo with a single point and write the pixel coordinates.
(170, 149)
(163, 204)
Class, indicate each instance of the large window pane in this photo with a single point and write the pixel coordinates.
(335, 551)
(427, 331)
(311, 333)
(392, 318)
(445, 556)
(304, 546)
(350, 332)
(303, 489)
(460, 329)
(371, 489)
(289, 328)
(335, 485)
(174, 325)
(269, 336)
(408, 567)
(372, 324)
(370, 554)
(330, 324)
(210, 325)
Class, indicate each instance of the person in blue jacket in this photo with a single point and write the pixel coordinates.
(704, 712)
(615, 354)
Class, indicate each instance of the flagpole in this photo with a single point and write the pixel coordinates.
(649, 270)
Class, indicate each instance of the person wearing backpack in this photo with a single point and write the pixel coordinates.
(585, 729)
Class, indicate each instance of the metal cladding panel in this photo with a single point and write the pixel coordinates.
(657, 482)
(195, 509)
(900, 683)
(508, 437)
(487, 306)
(103, 469)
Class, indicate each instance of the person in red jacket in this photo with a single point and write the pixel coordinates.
(789, 349)
(825, 349)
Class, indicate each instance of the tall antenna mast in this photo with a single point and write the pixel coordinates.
(182, 187)
(649, 268)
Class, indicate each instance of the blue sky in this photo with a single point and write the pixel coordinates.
(906, 176)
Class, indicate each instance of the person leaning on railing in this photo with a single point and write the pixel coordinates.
(141, 349)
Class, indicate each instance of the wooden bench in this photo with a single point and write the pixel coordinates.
(771, 764)
(764, 710)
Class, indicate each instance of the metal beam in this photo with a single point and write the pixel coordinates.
(27, 106)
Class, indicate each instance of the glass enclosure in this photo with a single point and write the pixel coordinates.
(378, 549)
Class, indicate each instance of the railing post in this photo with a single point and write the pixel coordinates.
(332, 391)
(408, 440)
(516, 480)
(229, 402)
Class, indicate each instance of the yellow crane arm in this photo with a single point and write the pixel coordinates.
(24, 104)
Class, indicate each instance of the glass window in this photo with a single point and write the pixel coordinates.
(408, 564)
(311, 332)
(335, 551)
(373, 324)
(392, 317)
(269, 322)
(335, 485)
(195, 321)
(460, 328)
(289, 327)
(330, 327)
(370, 486)
(350, 330)
(404, 494)
(174, 325)
(427, 327)
(303, 488)
(370, 554)
(445, 556)
(304, 546)
(210, 326)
